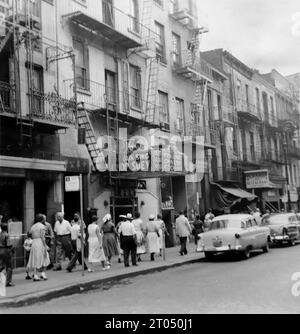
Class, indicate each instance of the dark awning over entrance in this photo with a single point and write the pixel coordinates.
(226, 197)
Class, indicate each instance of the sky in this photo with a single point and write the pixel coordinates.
(264, 34)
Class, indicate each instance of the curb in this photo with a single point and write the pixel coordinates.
(78, 288)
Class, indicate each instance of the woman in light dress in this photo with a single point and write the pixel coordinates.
(39, 257)
(139, 228)
(95, 241)
(162, 232)
(152, 232)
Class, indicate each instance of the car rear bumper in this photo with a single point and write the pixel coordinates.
(222, 249)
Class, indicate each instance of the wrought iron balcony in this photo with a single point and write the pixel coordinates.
(191, 66)
(187, 19)
(99, 97)
(210, 134)
(248, 111)
(45, 107)
(53, 108)
(110, 22)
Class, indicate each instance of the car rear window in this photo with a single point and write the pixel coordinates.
(221, 224)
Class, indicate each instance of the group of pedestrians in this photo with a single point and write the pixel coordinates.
(47, 248)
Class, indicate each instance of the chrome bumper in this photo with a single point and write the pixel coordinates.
(202, 249)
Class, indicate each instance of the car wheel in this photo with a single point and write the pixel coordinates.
(209, 256)
(292, 242)
(266, 248)
(246, 253)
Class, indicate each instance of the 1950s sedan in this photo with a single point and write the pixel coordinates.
(284, 227)
(235, 234)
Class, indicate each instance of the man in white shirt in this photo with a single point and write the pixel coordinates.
(62, 232)
(128, 237)
(183, 231)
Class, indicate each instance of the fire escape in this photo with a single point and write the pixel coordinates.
(31, 108)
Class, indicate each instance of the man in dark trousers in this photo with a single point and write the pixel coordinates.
(129, 246)
(6, 254)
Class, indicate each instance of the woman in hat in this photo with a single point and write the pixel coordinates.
(96, 253)
(110, 245)
(152, 232)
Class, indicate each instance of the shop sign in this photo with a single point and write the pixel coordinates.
(77, 165)
(72, 183)
(257, 179)
(168, 205)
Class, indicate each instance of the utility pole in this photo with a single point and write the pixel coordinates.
(287, 171)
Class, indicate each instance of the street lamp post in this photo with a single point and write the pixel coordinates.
(287, 172)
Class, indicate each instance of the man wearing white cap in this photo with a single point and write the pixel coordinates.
(129, 246)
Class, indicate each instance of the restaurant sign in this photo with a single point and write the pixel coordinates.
(257, 179)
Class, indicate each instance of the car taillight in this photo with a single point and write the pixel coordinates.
(237, 236)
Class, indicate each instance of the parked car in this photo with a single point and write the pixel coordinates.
(284, 227)
(237, 233)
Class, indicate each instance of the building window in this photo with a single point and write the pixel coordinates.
(247, 94)
(111, 87)
(134, 16)
(164, 116)
(272, 108)
(234, 141)
(135, 86)
(238, 88)
(81, 64)
(252, 146)
(180, 115)
(176, 54)
(160, 44)
(108, 12)
(38, 89)
(257, 100)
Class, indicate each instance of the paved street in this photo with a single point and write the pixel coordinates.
(262, 284)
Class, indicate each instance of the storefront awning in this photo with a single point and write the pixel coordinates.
(226, 197)
(237, 192)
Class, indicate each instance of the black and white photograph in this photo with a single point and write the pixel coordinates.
(149, 159)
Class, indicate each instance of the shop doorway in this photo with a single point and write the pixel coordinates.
(11, 199)
(41, 195)
(72, 204)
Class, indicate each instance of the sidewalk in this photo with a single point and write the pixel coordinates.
(63, 283)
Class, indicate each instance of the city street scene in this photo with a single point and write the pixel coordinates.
(149, 157)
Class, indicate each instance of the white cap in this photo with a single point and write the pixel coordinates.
(107, 218)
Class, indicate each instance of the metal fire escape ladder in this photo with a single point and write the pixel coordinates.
(91, 142)
(26, 125)
(152, 90)
(146, 22)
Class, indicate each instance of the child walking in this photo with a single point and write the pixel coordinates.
(27, 246)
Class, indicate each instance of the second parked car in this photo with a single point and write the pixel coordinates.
(284, 227)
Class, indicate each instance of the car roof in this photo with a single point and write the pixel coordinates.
(282, 215)
(241, 216)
